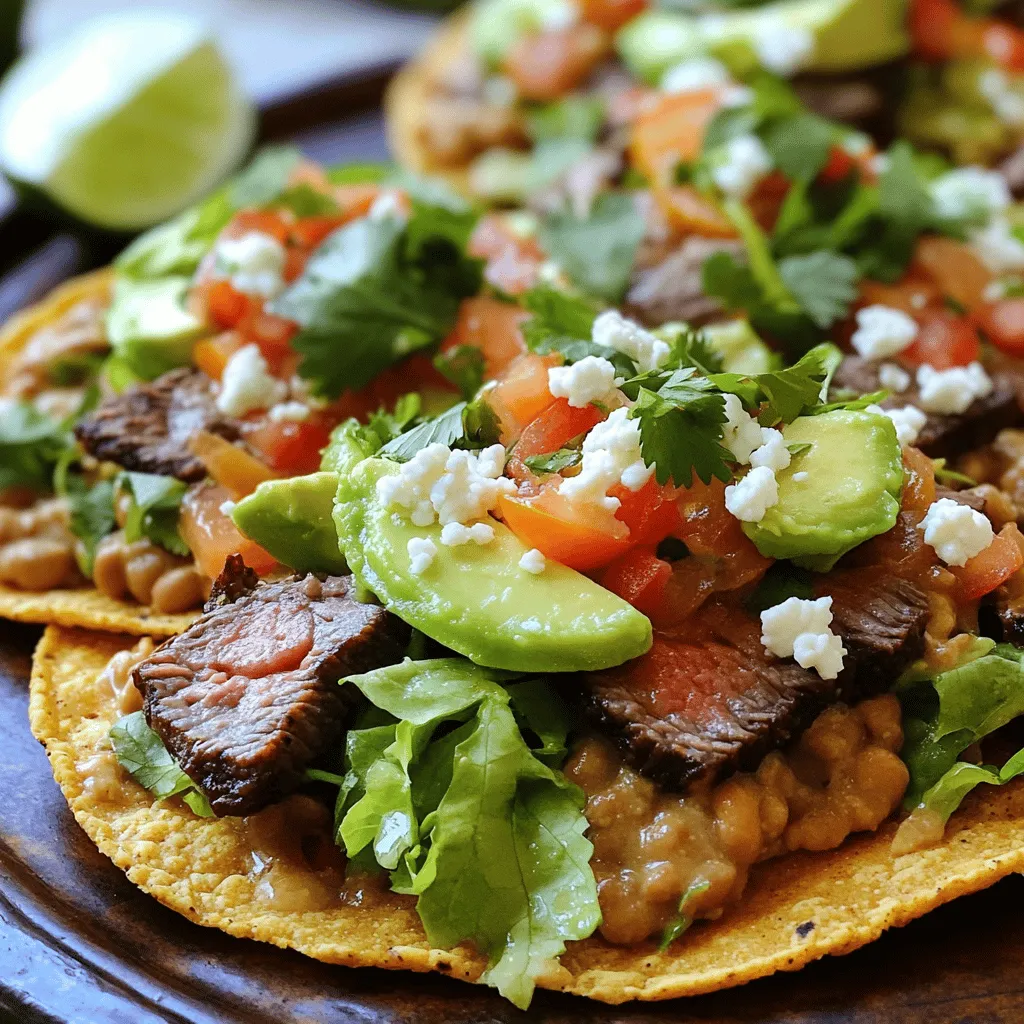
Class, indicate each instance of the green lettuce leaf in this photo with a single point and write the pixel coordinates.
(468, 817)
(31, 445)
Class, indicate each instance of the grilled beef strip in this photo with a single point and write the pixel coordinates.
(700, 706)
(942, 435)
(248, 696)
(146, 428)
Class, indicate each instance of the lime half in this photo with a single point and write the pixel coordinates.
(126, 121)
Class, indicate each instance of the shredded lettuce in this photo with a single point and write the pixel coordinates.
(451, 798)
(945, 716)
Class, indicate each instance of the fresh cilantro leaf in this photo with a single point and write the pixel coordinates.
(92, 515)
(305, 201)
(141, 752)
(729, 123)
(463, 365)
(944, 475)
(799, 448)
(366, 173)
(574, 117)
(799, 145)
(725, 278)
(154, 510)
(782, 581)
(823, 283)
(682, 920)
(375, 291)
(265, 178)
(480, 425)
(31, 444)
(690, 347)
(444, 429)
(597, 251)
(854, 404)
(554, 462)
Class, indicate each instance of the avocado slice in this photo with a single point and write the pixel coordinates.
(149, 327)
(292, 520)
(851, 492)
(741, 349)
(848, 34)
(476, 600)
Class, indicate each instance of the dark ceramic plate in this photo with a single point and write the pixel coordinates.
(80, 945)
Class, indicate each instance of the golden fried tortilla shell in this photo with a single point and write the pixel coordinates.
(83, 606)
(407, 102)
(200, 867)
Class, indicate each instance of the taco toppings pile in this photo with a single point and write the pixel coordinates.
(537, 581)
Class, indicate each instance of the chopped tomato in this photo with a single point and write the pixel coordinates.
(211, 355)
(275, 223)
(1004, 43)
(356, 200)
(492, 326)
(944, 340)
(957, 272)
(212, 536)
(638, 577)
(512, 261)
(547, 65)
(671, 132)
(1003, 324)
(225, 305)
(941, 31)
(932, 24)
(690, 213)
(911, 295)
(309, 232)
(558, 424)
(767, 198)
(291, 447)
(838, 166)
(564, 532)
(918, 480)
(522, 394)
(611, 14)
(232, 467)
(651, 513)
(991, 567)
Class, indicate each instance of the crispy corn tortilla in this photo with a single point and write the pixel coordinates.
(407, 101)
(797, 908)
(83, 606)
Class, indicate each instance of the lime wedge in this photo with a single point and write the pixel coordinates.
(125, 122)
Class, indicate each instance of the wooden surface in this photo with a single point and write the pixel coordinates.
(78, 943)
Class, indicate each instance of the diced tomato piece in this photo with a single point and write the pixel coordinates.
(671, 132)
(356, 200)
(1003, 324)
(232, 467)
(275, 223)
(492, 326)
(956, 270)
(272, 333)
(547, 65)
(651, 513)
(767, 198)
(558, 424)
(991, 567)
(309, 232)
(912, 295)
(212, 536)
(291, 447)
(838, 166)
(564, 532)
(211, 355)
(638, 577)
(690, 213)
(944, 340)
(1004, 43)
(932, 24)
(522, 394)
(512, 261)
(918, 480)
(611, 14)
(225, 305)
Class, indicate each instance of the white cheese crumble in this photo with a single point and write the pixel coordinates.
(801, 476)
(695, 75)
(998, 247)
(253, 263)
(285, 412)
(882, 332)
(422, 552)
(773, 452)
(558, 15)
(800, 628)
(592, 379)
(455, 534)
(893, 378)
(438, 484)
(611, 455)
(970, 192)
(247, 384)
(1007, 102)
(907, 419)
(956, 532)
(533, 561)
(387, 204)
(952, 391)
(856, 144)
(749, 498)
(227, 507)
(612, 330)
(783, 49)
(741, 163)
(741, 433)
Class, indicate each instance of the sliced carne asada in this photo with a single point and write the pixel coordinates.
(146, 428)
(248, 696)
(700, 706)
(942, 435)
